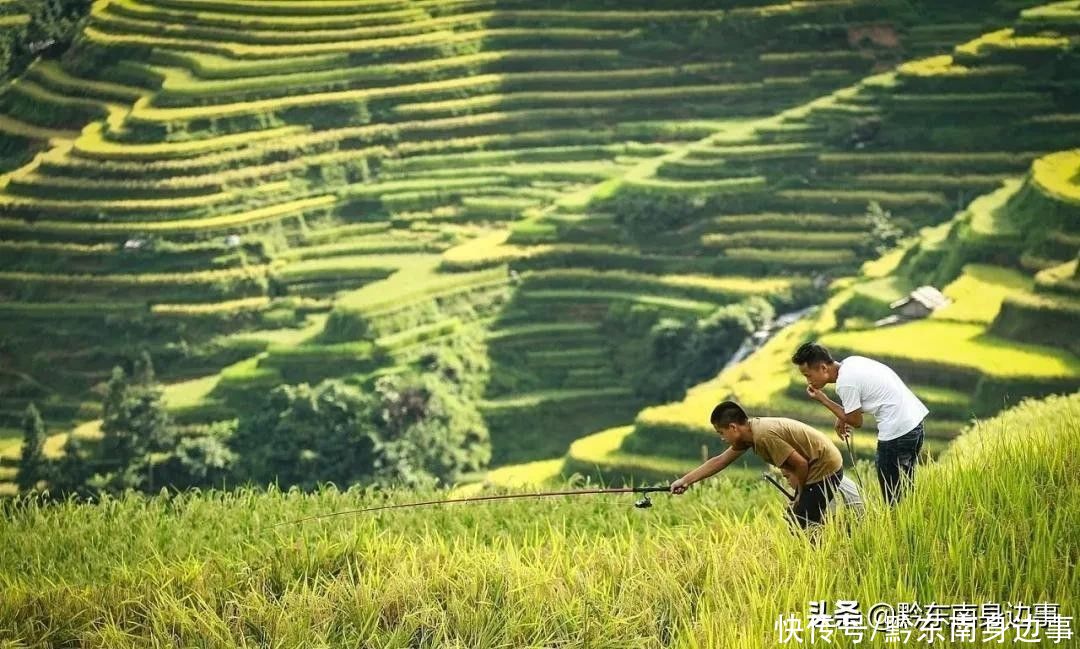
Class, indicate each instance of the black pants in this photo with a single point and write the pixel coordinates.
(810, 508)
(896, 460)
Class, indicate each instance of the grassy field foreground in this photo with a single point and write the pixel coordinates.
(993, 521)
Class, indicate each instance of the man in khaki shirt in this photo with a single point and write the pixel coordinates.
(810, 461)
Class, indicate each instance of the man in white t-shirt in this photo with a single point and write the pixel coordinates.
(867, 386)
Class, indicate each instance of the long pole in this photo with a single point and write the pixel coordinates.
(790, 496)
(854, 469)
(542, 494)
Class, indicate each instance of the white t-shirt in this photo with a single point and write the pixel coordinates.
(875, 387)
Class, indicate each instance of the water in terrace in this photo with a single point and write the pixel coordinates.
(767, 331)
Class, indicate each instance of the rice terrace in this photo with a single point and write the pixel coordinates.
(539, 324)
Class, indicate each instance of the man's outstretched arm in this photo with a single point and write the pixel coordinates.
(709, 468)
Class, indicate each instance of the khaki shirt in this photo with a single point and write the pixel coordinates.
(776, 437)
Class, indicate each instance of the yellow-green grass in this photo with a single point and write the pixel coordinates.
(946, 162)
(10, 21)
(93, 144)
(1058, 176)
(729, 285)
(54, 310)
(533, 399)
(765, 239)
(277, 212)
(261, 20)
(293, 336)
(885, 290)
(187, 394)
(143, 111)
(538, 99)
(152, 205)
(408, 340)
(207, 153)
(537, 473)
(53, 448)
(945, 66)
(720, 186)
(257, 303)
(124, 16)
(287, 7)
(989, 523)
(1052, 13)
(568, 170)
(345, 267)
(698, 307)
(959, 344)
(859, 198)
(13, 126)
(41, 95)
(979, 291)
(787, 258)
(180, 82)
(1063, 277)
(602, 450)
(489, 250)
(439, 186)
(363, 245)
(987, 218)
(96, 34)
(925, 181)
(1007, 40)
(54, 76)
(121, 17)
(244, 174)
(710, 150)
(140, 279)
(416, 280)
(11, 447)
(550, 154)
(886, 264)
(213, 66)
(58, 247)
(291, 83)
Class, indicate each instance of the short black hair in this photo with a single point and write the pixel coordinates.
(727, 413)
(811, 354)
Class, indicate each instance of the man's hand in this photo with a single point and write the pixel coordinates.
(815, 394)
(790, 477)
(679, 487)
(842, 429)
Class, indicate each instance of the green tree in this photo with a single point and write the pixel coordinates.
(72, 471)
(32, 463)
(143, 372)
(304, 436)
(135, 423)
(203, 460)
(427, 432)
(416, 429)
(883, 234)
(55, 20)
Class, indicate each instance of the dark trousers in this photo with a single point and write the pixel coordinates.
(896, 460)
(810, 508)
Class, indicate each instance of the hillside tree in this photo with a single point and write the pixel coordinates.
(33, 467)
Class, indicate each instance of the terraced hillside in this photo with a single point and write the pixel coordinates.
(996, 104)
(298, 190)
(1008, 333)
(340, 142)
